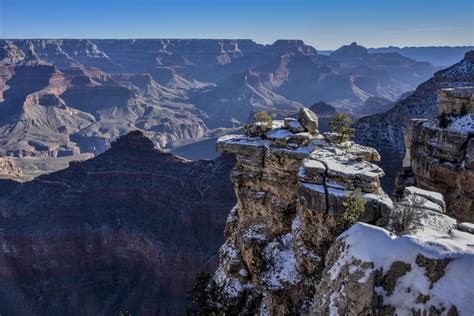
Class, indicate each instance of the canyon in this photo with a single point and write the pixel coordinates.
(129, 228)
(126, 231)
(385, 132)
(290, 250)
(67, 97)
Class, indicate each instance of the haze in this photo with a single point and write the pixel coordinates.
(323, 25)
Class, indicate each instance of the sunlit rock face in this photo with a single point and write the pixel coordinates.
(440, 157)
(286, 251)
(62, 97)
(125, 231)
(386, 131)
(290, 187)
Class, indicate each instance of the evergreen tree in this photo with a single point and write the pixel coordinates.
(341, 125)
(354, 207)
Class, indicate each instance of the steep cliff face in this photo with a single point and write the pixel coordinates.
(125, 231)
(290, 187)
(386, 131)
(285, 254)
(440, 155)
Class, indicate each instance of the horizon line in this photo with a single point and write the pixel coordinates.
(224, 39)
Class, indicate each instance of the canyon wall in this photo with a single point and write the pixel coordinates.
(290, 186)
(386, 131)
(126, 231)
(290, 248)
(441, 157)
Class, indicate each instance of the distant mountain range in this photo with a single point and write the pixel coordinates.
(437, 55)
(65, 97)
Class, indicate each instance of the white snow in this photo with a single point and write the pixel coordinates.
(462, 124)
(282, 264)
(279, 134)
(242, 140)
(467, 227)
(429, 195)
(230, 286)
(374, 244)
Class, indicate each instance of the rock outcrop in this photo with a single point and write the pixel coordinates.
(9, 170)
(371, 272)
(284, 252)
(440, 155)
(126, 231)
(385, 132)
(290, 188)
(428, 271)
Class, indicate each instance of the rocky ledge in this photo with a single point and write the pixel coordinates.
(371, 271)
(282, 253)
(290, 184)
(440, 155)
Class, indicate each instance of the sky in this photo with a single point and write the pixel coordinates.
(322, 24)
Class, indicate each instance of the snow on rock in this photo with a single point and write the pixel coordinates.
(408, 273)
(432, 196)
(462, 124)
(466, 227)
(232, 288)
(281, 270)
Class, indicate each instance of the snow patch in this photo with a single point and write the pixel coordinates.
(282, 264)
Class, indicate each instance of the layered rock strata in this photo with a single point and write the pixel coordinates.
(290, 187)
(441, 158)
(386, 131)
(126, 231)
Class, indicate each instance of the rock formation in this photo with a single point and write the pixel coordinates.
(65, 97)
(285, 254)
(9, 170)
(125, 231)
(441, 158)
(290, 187)
(386, 131)
(370, 271)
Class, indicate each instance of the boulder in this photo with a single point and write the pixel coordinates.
(309, 120)
(293, 125)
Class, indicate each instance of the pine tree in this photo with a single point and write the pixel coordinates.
(354, 207)
(341, 125)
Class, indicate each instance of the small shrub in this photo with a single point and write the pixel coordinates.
(444, 120)
(341, 125)
(406, 216)
(354, 207)
(202, 296)
(261, 123)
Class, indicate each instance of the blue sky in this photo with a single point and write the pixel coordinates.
(323, 24)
